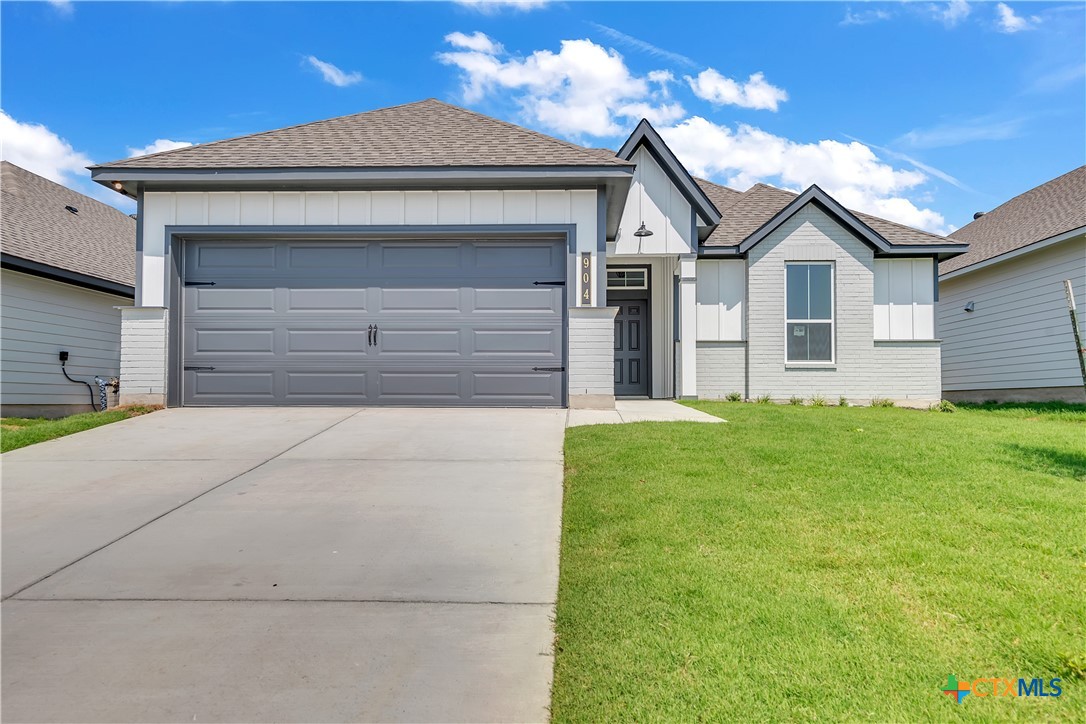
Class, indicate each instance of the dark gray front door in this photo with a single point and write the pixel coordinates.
(389, 322)
(631, 347)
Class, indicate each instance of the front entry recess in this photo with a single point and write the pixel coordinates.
(631, 348)
(427, 322)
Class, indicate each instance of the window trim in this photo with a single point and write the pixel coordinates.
(626, 269)
(832, 361)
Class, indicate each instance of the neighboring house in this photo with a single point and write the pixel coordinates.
(1007, 334)
(68, 263)
(428, 255)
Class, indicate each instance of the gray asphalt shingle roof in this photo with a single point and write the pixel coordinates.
(1048, 210)
(743, 213)
(427, 133)
(98, 241)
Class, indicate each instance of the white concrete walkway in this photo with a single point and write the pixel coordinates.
(639, 411)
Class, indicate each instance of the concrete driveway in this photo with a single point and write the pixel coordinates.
(308, 564)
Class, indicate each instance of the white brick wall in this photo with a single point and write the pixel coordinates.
(143, 355)
(722, 368)
(864, 369)
(592, 351)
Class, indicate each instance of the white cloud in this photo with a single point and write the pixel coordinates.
(161, 144)
(850, 172)
(490, 7)
(1011, 23)
(64, 7)
(478, 41)
(583, 89)
(332, 74)
(39, 150)
(864, 17)
(756, 92)
(952, 13)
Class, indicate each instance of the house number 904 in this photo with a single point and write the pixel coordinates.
(586, 280)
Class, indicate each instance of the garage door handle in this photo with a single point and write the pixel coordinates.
(369, 336)
(199, 284)
(375, 330)
(548, 369)
(198, 369)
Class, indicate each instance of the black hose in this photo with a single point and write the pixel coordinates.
(88, 384)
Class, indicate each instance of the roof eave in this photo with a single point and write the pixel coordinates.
(1014, 253)
(67, 276)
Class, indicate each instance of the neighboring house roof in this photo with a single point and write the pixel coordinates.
(1044, 212)
(98, 242)
(721, 196)
(742, 214)
(426, 133)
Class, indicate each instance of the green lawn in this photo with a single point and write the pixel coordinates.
(17, 432)
(803, 563)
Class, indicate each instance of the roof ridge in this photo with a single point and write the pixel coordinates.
(514, 126)
(264, 133)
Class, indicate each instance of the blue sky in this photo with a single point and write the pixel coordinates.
(920, 112)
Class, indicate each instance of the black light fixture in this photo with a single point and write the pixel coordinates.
(642, 231)
(970, 307)
(118, 186)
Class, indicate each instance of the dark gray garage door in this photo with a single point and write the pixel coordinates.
(390, 322)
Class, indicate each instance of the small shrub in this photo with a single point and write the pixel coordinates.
(818, 401)
(881, 402)
(843, 402)
(765, 399)
(943, 406)
(734, 397)
(793, 400)
(1074, 665)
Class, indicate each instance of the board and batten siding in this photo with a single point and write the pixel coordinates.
(654, 200)
(1018, 336)
(353, 208)
(862, 369)
(39, 318)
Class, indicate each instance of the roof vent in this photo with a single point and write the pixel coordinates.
(978, 215)
(71, 209)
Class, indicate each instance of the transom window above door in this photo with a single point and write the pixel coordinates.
(809, 302)
(628, 278)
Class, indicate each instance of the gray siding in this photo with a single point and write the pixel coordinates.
(39, 318)
(1019, 335)
(722, 368)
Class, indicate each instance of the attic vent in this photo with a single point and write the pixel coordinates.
(71, 209)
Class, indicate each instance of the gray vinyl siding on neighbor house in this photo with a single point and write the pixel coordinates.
(1019, 335)
(41, 317)
(862, 369)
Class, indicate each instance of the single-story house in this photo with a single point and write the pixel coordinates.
(68, 262)
(1007, 333)
(425, 254)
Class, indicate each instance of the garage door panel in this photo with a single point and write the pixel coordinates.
(539, 300)
(211, 299)
(419, 300)
(333, 300)
(326, 384)
(241, 341)
(545, 344)
(327, 341)
(455, 323)
(335, 259)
